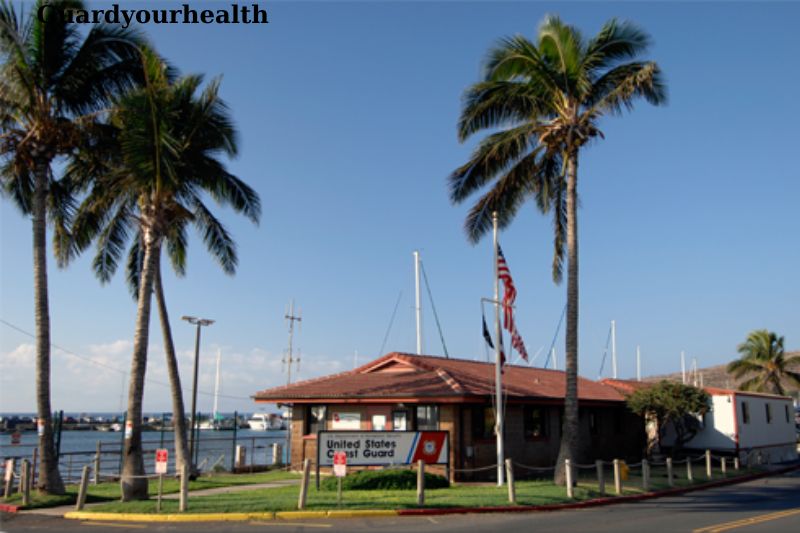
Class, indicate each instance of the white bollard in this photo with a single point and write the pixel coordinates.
(81, 501)
(568, 473)
(183, 504)
(277, 454)
(420, 483)
(708, 464)
(724, 466)
(512, 491)
(670, 481)
(645, 475)
(689, 473)
(601, 479)
(736, 463)
(301, 501)
(617, 478)
(240, 459)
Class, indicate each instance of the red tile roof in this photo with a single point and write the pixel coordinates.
(411, 377)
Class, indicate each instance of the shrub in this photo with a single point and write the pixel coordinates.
(385, 480)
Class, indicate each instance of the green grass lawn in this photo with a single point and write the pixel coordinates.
(472, 495)
(110, 491)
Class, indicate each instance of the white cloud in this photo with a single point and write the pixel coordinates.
(23, 355)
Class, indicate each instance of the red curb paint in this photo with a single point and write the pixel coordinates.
(7, 508)
(595, 502)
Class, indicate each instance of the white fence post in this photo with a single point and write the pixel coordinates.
(689, 473)
(82, 489)
(25, 483)
(708, 464)
(645, 475)
(183, 505)
(568, 472)
(617, 478)
(301, 501)
(512, 491)
(601, 479)
(277, 454)
(420, 482)
(736, 463)
(670, 481)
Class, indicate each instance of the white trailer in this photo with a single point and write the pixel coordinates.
(754, 426)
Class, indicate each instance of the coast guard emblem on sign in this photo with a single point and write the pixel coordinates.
(429, 447)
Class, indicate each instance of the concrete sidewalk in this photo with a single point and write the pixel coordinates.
(62, 509)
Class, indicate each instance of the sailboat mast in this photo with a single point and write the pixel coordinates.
(418, 308)
(498, 373)
(638, 364)
(216, 385)
(614, 349)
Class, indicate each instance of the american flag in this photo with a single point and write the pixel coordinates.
(509, 296)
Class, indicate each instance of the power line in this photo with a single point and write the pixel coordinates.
(109, 367)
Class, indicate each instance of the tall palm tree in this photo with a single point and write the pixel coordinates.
(765, 364)
(52, 80)
(546, 98)
(153, 187)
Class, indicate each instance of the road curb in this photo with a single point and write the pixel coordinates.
(307, 515)
(8, 508)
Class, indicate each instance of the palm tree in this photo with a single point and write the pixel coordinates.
(52, 79)
(765, 363)
(546, 99)
(152, 187)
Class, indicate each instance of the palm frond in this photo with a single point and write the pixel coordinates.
(216, 238)
(492, 155)
(497, 104)
(619, 87)
(616, 41)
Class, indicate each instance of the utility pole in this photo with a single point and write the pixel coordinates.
(418, 308)
(614, 349)
(290, 316)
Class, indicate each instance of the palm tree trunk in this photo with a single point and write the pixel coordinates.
(49, 477)
(133, 483)
(178, 411)
(569, 433)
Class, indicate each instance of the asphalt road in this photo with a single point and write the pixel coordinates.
(770, 504)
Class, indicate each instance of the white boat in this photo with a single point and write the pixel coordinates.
(265, 422)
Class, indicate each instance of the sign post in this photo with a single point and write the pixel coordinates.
(339, 470)
(162, 458)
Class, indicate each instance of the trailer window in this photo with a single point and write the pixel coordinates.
(745, 412)
(768, 409)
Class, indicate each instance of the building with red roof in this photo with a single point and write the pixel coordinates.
(403, 392)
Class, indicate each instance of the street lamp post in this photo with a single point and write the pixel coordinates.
(199, 322)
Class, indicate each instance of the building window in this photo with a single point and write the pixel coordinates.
(427, 417)
(400, 420)
(378, 422)
(786, 408)
(768, 409)
(535, 423)
(482, 423)
(315, 419)
(745, 412)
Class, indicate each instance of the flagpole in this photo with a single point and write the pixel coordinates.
(498, 375)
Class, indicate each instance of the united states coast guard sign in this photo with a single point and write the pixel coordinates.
(383, 448)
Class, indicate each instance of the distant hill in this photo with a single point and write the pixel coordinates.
(715, 376)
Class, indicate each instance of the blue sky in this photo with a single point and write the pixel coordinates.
(347, 114)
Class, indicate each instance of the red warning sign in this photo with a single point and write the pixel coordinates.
(340, 464)
(162, 456)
